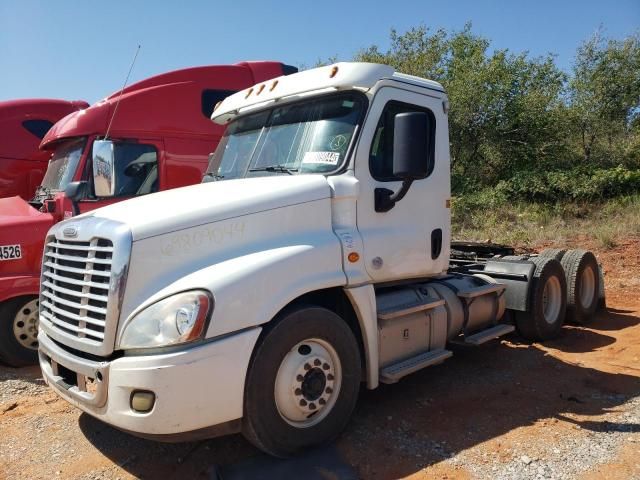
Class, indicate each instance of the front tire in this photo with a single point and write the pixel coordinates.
(19, 331)
(303, 382)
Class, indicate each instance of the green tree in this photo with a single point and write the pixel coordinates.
(505, 108)
(605, 100)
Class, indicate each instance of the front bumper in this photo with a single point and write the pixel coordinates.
(195, 388)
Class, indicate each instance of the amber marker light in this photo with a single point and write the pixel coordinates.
(353, 257)
(249, 93)
(334, 71)
(260, 89)
(273, 85)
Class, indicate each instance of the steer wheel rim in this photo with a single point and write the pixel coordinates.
(25, 325)
(308, 383)
(587, 287)
(551, 300)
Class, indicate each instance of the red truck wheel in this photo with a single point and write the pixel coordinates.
(303, 382)
(19, 331)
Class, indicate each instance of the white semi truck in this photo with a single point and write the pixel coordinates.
(316, 256)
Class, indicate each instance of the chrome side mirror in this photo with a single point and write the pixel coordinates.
(103, 159)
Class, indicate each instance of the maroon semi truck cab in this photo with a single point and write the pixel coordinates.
(160, 134)
(23, 125)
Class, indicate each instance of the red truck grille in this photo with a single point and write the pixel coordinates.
(75, 286)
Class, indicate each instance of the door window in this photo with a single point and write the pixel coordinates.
(136, 169)
(381, 155)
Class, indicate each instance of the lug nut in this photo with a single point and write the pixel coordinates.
(298, 391)
(325, 366)
(329, 390)
(303, 403)
(307, 366)
(312, 406)
(299, 378)
(322, 401)
(317, 362)
(329, 377)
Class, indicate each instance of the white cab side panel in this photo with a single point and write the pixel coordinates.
(397, 243)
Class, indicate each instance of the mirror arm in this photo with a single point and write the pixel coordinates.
(74, 207)
(75, 191)
(386, 199)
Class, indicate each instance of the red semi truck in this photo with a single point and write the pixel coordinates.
(160, 133)
(23, 125)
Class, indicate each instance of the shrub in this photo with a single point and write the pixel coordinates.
(577, 184)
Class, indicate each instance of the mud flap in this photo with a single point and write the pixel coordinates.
(516, 275)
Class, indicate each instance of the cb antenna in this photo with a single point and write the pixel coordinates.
(106, 136)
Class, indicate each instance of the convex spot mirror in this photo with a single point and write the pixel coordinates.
(103, 159)
(411, 145)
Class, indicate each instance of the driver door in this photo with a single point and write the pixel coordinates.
(411, 239)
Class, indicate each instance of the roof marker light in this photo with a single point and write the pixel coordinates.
(334, 71)
(260, 89)
(273, 85)
(249, 93)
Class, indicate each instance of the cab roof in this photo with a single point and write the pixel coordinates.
(339, 76)
(167, 104)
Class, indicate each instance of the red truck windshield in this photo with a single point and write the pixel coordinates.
(63, 164)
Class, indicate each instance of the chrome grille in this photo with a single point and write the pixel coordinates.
(76, 278)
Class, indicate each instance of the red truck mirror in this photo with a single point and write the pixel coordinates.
(103, 160)
(76, 191)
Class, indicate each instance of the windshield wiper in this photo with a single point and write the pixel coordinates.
(214, 176)
(275, 168)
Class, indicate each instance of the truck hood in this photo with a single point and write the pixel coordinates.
(23, 225)
(187, 207)
(15, 211)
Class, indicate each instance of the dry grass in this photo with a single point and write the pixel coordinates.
(530, 224)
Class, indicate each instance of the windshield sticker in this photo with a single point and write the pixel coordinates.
(325, 158)
(10, 252)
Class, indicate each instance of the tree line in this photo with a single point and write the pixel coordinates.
(522, 125)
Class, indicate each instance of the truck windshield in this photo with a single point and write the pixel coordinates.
(63, 164)
(303, 137)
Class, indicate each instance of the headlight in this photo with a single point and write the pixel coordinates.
(179, 318)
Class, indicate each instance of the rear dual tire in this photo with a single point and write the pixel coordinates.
(546, 311)
(585, 292)
(583, 285)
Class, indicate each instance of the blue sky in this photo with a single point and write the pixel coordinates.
(82, 49)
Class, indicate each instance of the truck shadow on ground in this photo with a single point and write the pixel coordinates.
(426, 418)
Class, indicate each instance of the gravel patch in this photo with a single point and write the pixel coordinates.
(14, 385)
(567, 456)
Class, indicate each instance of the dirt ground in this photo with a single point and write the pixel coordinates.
(567, 409)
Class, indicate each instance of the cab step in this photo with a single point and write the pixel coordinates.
(485, 335)
(393, 373)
